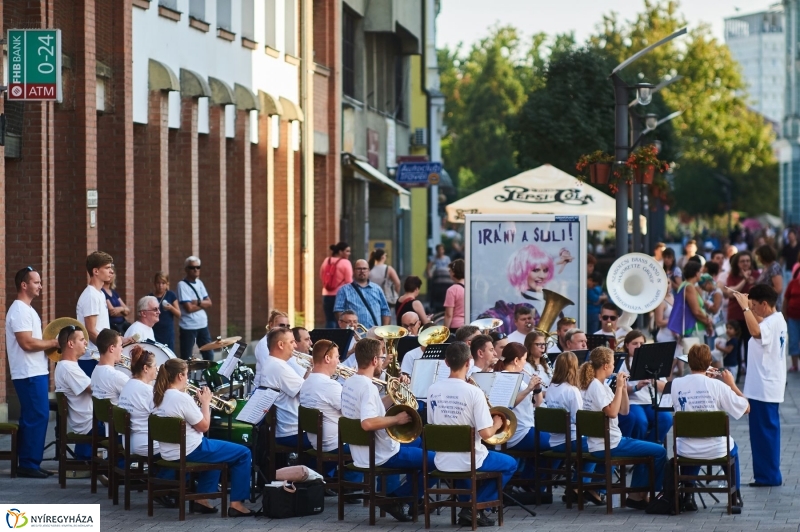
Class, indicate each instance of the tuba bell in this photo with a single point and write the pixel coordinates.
(487, 325)
(390, 334)
(638, 284)
(437, 334)
(509, 421)
(51, 331)
(554, 303)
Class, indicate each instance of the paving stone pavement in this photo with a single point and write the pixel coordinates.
(764, 508)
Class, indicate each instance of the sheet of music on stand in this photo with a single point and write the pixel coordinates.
(501, 388)
(255, 409)
(425, 373)
(231, 361)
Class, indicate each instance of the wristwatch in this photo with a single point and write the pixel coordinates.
(745, 309)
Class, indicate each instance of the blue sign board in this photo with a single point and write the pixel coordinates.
(417, 173)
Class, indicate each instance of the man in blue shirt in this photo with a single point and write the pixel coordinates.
(364, 297)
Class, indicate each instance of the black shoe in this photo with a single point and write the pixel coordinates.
(46, 472)
(636, 505)
(737, 500)
(27, 472)
(395, 510)
(233, 512)
(331, 493)
(353, 499)
(465, 518)
(688, 503)
(165, 501)
(197, 508)
(592, 498)
(759, 485)
(569, 496)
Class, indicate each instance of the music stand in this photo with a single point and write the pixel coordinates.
(597, 340)
(340, 337)
(582, 354)
(435, 351)
(652, 362)
(404, 345)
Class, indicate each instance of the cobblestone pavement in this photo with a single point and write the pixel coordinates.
(764, 508)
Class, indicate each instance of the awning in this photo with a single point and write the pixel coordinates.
(368, 171)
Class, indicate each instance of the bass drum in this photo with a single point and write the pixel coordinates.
(161, 352)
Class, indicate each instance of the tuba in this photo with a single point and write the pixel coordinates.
(433, 335)
(390, 334)
(554, 303)
(408, 432)
(509, 421)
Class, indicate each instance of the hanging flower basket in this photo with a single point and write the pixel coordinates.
(644, 163)
(597, 165)
(599, 173)
(644, 174)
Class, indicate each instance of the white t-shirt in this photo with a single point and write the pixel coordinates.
(72, 381)
(350, 361)
(766, 362)
(262, 354)
(192, 320)
(92, 303)
(518, 337)
(179, 404)
(698, 393)
(569, 398)
(456, 402)
(22, 317)
(279, 375)
(407, 365)
(325, 394)
(137, 398)
(107, 383)
(596, 397)
(361, 400)
(524, 413)
(144, 332)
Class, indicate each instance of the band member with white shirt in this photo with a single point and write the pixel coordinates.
(171, 400)
(76, 386)
(765, 381)
(361, 400)
(276, 373)
(562, 326)
(30, 372)
(137, 398)
(575, 340)
(349, 320)
(276, 319)
(484, 357)
(523, 321)
(411, 322)
(194, 300)
(538, 364)
(453, 401)
(92, 310)
(697, 392)
(598, 397)
(148, 312)
(609, 315)
(107, 381)
(302, 339)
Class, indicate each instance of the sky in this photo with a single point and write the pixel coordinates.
(468, 20)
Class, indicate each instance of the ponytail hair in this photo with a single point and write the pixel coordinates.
(511, 352)
(167, 374)
(375, 256)
(275, 314)
(599, 357)
(140, 359)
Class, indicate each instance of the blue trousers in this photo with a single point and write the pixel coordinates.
(291, 441)
(765, 441)
(191, 336)
(632, 447)
(588, 467)
(410, 456)
(695, 470)
(88, 366)
(528, 443)
(350, 476)
(330, 316)
(487, 489)
(640, 423)
(33, 417)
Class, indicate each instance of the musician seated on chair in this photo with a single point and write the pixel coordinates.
(107, 380)
(361, 400)
(702, 392)
(276, 320)
(562, 326)
(76, 387)
(411, 322)
(303, 340)
(171, 400)
(538, 364)
(454, 401)
(609, 315)
(484, 357)
(279, 375)
(148, 312)
(598, 397)
(137, 398)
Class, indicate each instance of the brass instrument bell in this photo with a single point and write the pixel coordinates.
(554, 303)
(408, 432)
(390, 334)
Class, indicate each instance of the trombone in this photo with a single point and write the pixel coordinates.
(217, 403)
(360, 330)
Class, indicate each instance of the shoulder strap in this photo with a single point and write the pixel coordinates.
(187, 283)
(366, 305)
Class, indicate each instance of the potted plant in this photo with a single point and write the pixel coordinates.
(599, 165)
(644, 163)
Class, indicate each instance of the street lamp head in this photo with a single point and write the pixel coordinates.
(644, 93)
(651, 120)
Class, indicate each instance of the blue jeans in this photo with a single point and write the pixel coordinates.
(487, 489)
(349, 476)
(633, 448)
(330, 316)
(639, 423)
(695, 470)
(410, 456)
(191, 336)
(33, 417)
(291, 441)
(588, 467)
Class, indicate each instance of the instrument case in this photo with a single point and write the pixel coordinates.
(293, 499)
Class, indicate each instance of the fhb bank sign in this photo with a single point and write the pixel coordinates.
(34, 65)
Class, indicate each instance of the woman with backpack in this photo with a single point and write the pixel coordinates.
(335, 272)
(384, 276)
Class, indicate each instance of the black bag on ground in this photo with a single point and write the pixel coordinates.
(294, 499)
(664, 503)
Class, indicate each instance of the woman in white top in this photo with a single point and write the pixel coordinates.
(384, 276)
(565, 394)
(536, 346)
(171, 400)
(639, 423)
(137, 398)
(598, 397)
(524, 438)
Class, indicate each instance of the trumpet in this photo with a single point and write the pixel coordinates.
(359, 329)
(217, 403)
(304, 360)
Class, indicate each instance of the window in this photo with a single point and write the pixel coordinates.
(400, 63)
(171, 4)
(270, 36)
(290, 27)
(349, 53)
(224, 15)
(248, 20)
(197, 9)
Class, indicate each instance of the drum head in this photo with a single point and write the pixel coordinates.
(224, 389)
(160, 351)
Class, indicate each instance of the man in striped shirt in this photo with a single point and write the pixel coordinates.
(364, 297)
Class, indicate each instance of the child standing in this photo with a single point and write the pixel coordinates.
(730, 349)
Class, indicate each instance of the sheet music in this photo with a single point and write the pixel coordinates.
(666, 401)
(505, 389)
(484, 380)
(423, 375)
(230, 362)
(254, 410)
(442, 371)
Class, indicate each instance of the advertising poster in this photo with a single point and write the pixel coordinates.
(510, 260)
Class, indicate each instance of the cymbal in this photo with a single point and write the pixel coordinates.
(199, 364)
(220, 343)
(51, 333)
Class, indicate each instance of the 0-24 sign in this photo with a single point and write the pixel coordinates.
(34, 65)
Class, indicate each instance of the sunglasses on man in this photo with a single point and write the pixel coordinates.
(608, 318)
